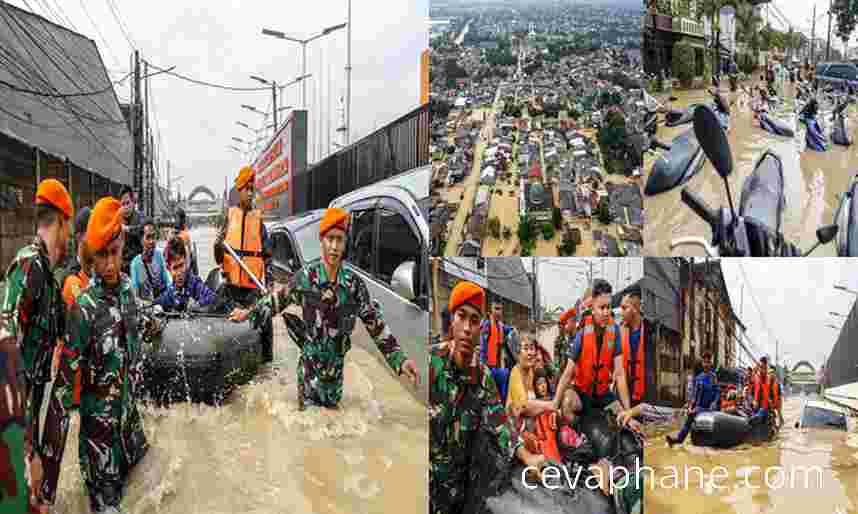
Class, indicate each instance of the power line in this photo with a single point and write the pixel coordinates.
(118, 18)
(754, 299)
(60, 95)
(483, 274)
(98, 31)
(209, 84)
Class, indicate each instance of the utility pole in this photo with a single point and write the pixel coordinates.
(349, 74)
(274, 103)
(136, 125)
(535, 316)
(813, 40)
(828, 44)
(148, 206)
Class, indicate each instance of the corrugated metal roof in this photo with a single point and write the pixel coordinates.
(90, 131)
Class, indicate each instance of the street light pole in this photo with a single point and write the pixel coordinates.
(349, 73)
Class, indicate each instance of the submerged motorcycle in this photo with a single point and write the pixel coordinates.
(755, 230)
(684, 157)
(840, 134)
(815, 135)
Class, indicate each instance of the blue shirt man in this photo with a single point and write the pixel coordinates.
(707, 395)
(184, 285)
(149, 276)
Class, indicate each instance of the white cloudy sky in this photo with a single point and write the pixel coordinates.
(795, 297)
(222, 42)
(562, 281)
(800, 14)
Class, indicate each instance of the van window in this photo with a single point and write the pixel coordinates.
(397, 243)
(362, 240)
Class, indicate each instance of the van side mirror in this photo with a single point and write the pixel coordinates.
(402, 281)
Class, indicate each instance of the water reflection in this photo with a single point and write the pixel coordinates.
(812, 194)
(793, 486)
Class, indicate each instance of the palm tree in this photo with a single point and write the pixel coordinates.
(712, 10)
(747, 21)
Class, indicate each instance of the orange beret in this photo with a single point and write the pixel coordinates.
(105, 223)
(244, 177)
(566, 315)
(467, 293)
(333, 218)
(52, 192)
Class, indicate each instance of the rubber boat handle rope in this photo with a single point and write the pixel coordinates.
(244, 267)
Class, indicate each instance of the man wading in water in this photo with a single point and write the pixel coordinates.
(331, 297)
(104, 341)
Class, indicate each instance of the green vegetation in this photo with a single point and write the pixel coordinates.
(567, 247)
(683, 63)
(507, 233)
(547, 231)
(603, 214)
(495, 227)
(556, 218)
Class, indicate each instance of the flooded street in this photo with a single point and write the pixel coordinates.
(259, 454)
(821, 464)
(812, 195)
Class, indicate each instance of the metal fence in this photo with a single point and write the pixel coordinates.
(400, 146)
(842, 365)
(22, 167)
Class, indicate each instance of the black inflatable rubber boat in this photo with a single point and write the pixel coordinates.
(719, 430)
(200, 358)
(508, 495)
(682, 162)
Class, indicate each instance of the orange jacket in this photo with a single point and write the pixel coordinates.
(244, 235)
(593, 373)
(635, 367)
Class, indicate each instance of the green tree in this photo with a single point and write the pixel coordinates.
(747, 23)
(846, 14)
(557, 218)
(683, 63)
(547, 231)
(567, 247)
(603, 213)
(495, 227)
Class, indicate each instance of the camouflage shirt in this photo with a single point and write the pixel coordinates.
(329, 313)
(13, 484)
(31, 321)
(104, 341)
(463, 406)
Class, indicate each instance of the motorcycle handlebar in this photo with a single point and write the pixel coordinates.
(696, 204)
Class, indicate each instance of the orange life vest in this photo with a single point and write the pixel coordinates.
(493, 352)
(775, 391)
(72, 287)
(244, 235)
(635, 367)
(593, 373)
(547, 437)
(762, 386)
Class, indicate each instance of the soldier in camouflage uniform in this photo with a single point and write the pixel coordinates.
(562, 345)
(104, 342)
(13, 483)
(31, 323)
(330, 306)
(471, 440)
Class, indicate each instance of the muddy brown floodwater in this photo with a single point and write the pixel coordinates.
(811, 471)
(812, 195)
(259, 454)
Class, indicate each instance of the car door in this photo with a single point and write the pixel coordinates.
(395, 240)
(285, 260)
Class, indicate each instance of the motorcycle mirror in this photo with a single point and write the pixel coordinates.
(826, 234)
(713, 140)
